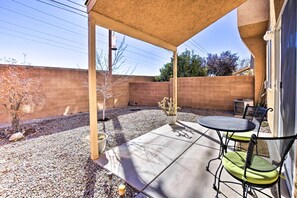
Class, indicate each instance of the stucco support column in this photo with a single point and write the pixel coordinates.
(92, 89)
(257, 46)
(175, 80)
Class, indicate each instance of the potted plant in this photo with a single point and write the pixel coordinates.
(102, 137)
(168, 107)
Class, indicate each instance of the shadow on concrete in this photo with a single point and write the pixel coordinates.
(180, 131)
(201, 133)
(127, 163)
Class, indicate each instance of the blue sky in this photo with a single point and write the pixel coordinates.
(51, 36)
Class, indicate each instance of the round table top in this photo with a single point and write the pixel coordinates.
(223, 123)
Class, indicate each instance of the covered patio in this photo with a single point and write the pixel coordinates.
(166, 24)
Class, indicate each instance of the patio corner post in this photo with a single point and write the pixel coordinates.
(92, 88)
(175, 80)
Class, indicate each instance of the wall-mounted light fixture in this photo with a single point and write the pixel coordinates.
(268, 35)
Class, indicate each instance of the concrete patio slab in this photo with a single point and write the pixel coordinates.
(142, 159)
(187, 177)
(171, 162)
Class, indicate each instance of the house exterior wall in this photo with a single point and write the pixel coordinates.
(196, 92)
(272, 92)
(67, 92)
(252, 27)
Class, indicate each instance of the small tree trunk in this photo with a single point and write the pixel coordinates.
(15, 123)
(103, 110)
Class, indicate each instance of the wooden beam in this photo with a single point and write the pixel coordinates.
(90, 4)
(111, 24)
(92, 89)
(175, 80)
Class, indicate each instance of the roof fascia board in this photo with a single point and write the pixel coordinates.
(90, 4)
(111, 24)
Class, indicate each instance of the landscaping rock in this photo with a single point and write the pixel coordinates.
(16, 136)
(53, 161)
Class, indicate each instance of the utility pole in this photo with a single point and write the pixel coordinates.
(109, 52)
(111, 47)
(110, 61)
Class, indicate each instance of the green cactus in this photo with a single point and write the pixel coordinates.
(167, 106)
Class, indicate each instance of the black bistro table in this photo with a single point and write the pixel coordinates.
(225, 124)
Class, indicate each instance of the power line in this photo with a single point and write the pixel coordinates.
(102, 41)
(196, 47)
(152, 46)
(200, 46)
(138, 60)
(145, 51)
(128, 58)
(42, 42)
(45, 33)
(61, 43)
(13, 11)
(68, 6)
(49, 14)
(55, 17)
(53, 25)
(189, 47)
(83, 52)
(79, 26)
(137, 53)
(125, 56)
(137, 63)
(62, 8)
(76, 3)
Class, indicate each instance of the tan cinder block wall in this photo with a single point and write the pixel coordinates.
(67, 92)
(149, 93)
(196, 92)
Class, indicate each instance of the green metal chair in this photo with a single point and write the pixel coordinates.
(254, 171)
(254, 114)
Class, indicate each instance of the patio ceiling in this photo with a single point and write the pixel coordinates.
(165, 23)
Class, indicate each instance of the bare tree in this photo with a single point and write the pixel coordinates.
(20, 93)
(107, 83)
(6, 60)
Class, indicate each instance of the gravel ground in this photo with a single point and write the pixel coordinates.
(52, 164)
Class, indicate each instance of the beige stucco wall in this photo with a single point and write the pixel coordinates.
(259, 12)
(271, 92)
(255, 17)
(275, 7)
(252, 19)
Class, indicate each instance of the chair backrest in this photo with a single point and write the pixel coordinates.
(256, 114)
(278, 148)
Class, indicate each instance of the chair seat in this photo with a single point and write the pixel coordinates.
(240, 137)
(234, 163)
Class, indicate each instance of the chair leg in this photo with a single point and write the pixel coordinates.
(245, 190)
(279, 188)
